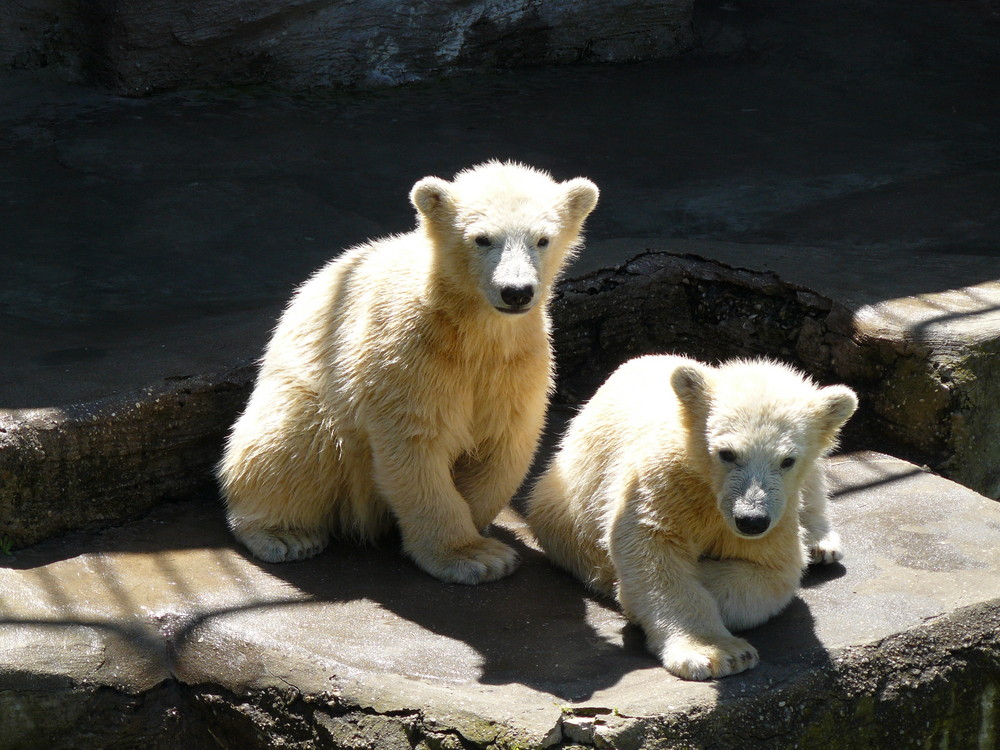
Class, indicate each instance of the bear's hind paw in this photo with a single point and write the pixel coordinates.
(482, 561)
(284, 545)
(692, 659)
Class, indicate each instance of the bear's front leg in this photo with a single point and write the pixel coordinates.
(489, 481)
(821, 541)
(658, 588)
(749, 594)
(434, 519)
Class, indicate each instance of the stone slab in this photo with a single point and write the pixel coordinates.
(358, 643)
(96, 464)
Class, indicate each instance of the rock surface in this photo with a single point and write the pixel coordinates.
(137, 47)
(91, 465)
(927, 389)
(849, 149)
(162, 634)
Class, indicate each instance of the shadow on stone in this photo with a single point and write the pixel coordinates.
(531, 628)
(361, 632)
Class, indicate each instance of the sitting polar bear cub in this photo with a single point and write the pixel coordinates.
(695, 494)
(408, 380)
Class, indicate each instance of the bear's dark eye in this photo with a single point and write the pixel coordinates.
(788, 462)
(483, 241)
(543, 242)
(727, 456)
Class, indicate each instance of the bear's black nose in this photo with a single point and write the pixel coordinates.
(752, 524)
(517, 296)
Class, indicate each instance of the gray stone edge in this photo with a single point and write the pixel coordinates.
(85, 466)
(937, 684)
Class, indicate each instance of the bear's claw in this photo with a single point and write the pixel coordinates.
(826, 550)
(284, 545)
(482, 561)
(701, 660)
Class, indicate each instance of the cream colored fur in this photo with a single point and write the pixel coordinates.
(655, 476)
(400, 387)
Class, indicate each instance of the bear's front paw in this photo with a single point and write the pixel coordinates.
(695, 659)
(483, 560)
(826, 550)
(284, 545)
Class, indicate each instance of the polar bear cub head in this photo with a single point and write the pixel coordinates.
(757, 429)
(503, 230)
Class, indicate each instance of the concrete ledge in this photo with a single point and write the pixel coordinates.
(162, 633)
(91, 465)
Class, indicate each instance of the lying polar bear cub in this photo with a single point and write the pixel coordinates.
(695, 495)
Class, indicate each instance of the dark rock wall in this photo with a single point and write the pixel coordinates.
(41, 34)
(138, 47)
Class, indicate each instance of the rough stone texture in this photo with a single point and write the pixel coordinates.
(41, 33)
(925, 366)
(96, 464)
(939, 392)
(162, 634)
(137, 47)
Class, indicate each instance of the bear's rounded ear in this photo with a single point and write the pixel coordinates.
(580, 198)
(836, 404)
(691, 384)
(432, 199)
